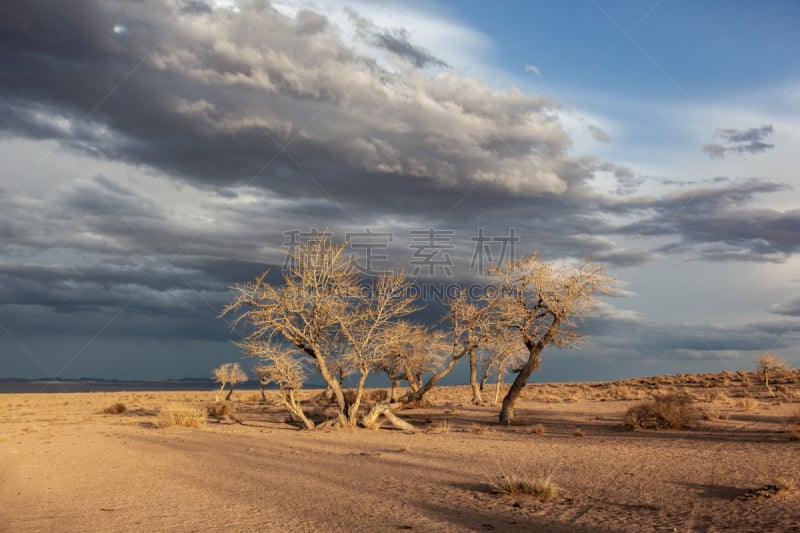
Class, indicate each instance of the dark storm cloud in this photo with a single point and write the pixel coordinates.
(637, 338)
(263, 98)
(240, 127)
(216, 99)
(790, 307)
(715, 223)
(750, 141)
(398, 42)
(395, 40)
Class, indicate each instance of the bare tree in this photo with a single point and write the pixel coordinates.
(472, 325)
(282, 368)
(262, 373)
(503, 353)
(409, 351)
(324, 311)
(229, 374)
(543, 303)
(767, 363)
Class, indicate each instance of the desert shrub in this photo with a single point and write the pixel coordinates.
(445, 426)
(116, 408)
(747, 403)
(220, 409)
(786, 484)
(517, 481)
(537, 429)
(379, 395)
(671, 411)
(180, 415)
(350, 396)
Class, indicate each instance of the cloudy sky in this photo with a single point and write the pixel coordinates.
(155, 151)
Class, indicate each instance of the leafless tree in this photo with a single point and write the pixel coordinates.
(324, 309)
(767, 363)
(472, 325)
(282, 368)
(262, 374)
(543, 303)
(504, 352)
(229, 374)
(407, 352)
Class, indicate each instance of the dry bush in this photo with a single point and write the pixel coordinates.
(578, 433)
(671, 411)
(445, 426)
(220, 409)
(786, 484)
(717, 397)
(747, 403)
(517, 481)
(378, 395)
(116, 408)
(537, 429)
(180, 415)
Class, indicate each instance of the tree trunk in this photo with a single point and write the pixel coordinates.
(485, 377)
(230, 392)
(394, 387)
(416, 396)
(473, 378)
(336, 387)
(371, 419)
(352, 415)
(410, 376)
(507, 411)
(290, 400)
(263, 394)
(497, 386)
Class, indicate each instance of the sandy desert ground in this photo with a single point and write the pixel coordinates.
(66, 465)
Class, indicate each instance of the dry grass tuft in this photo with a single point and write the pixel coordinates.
(220, 409)
(578, 433)
(445, 426)
(517, 482)
(537, 429)
(786, 484)
(671, 411)
(378, 395)
(116, 408)
(180, 415)
(747, 403)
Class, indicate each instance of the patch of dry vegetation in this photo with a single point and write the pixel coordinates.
(518, 481)
(536, 429)
(180, 415)
(220, 409)
(748, 403)
(116, 408)
(670, 411)
(786, 484)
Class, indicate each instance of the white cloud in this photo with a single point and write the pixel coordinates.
(534, 69)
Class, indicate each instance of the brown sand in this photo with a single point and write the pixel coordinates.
(65, 465)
